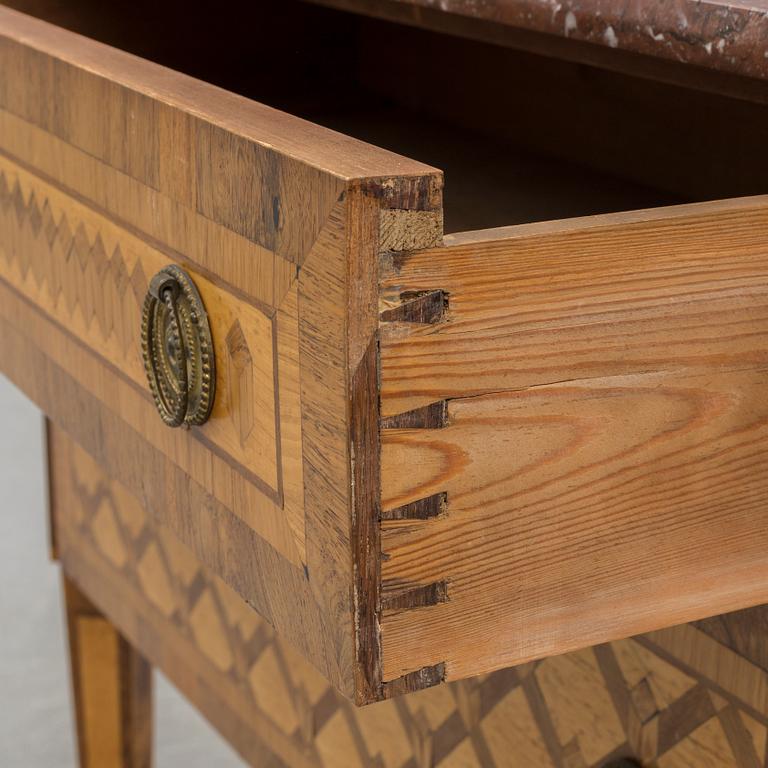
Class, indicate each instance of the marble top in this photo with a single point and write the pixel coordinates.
(725, 35)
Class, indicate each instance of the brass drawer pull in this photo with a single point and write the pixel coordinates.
(177, 349)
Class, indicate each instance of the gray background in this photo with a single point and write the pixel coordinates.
(36, 727)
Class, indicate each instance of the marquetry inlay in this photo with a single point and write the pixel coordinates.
(671, 698)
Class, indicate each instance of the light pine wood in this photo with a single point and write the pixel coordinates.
(112, 686)
(280, 223)
(684, 696)
(598, 465)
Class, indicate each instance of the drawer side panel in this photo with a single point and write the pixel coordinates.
(575, 447)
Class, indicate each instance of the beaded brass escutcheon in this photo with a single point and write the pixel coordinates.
(177, 349)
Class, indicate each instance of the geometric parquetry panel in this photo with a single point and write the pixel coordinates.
(676, 698)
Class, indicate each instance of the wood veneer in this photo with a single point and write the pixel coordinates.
(687, 695)
(429, 458)
(112, 686)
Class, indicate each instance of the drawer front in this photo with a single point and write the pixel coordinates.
(690, 695)
(112, 168)
(89, 275)
(575, 441)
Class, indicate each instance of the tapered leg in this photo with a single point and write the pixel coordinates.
(112, 687)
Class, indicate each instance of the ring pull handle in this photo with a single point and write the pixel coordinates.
(177, 349)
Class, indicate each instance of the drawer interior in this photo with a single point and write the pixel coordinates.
(521, 137)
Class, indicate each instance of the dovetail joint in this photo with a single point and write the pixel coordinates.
(421, 509)
(423, 307)
(425, 677)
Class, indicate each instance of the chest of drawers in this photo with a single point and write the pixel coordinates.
(450, 432)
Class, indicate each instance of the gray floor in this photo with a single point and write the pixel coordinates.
(36, 729)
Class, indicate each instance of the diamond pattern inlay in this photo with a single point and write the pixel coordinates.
(75, 269)
(627, 698)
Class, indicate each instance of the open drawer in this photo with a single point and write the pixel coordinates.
(428, 457)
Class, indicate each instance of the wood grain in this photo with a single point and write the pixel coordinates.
(517, 444)
(112, 687)
(604, 452)
(677, 697)
(743, 632)
(280, 223)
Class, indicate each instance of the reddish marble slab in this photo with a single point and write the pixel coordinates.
(730, 36)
